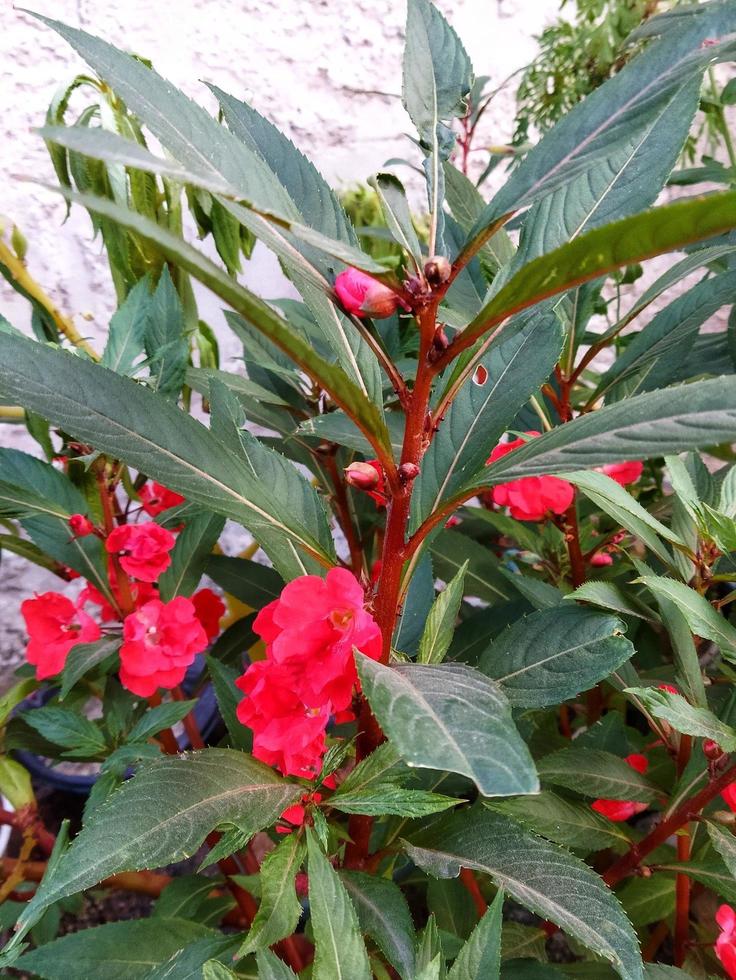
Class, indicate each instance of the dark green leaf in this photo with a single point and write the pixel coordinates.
(685, 717)
(563, 821)
(594, 773)
(280, 908)
(701, 617)
(83, 657)
(484, 579)
(223, 680)
(190, 555)
(389, 799)
(395, 207)
(158, 718)
(127, 330)
(252, 583)
(480, 957)
(383, 915)
(66, 728)
(440, 625)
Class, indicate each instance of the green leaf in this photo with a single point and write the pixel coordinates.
(563, 821)
(685, 717)
(223, 678)
(480, 957)
(417, 603)
(158, 718)
(386, 798)
(595, 773)
(449, 717)
(480, 414)
(467, 204)
(451, 551)
(117, 950)
(123, 419)
(252, 583)
(384, 765)
(190, 963)
(162, 815)
(270, 967)
(659, 422)
(613, 597)
(648, 900)
(724, 843)
(214, 970)
(190, 555)
(183, 897)
(383, 914)
(553, 654)
(701, 617)
(14, 695)
(166, 345)
(440, 625)
(615, 501)
(83, 657)
(339, 949)
(66, 728)
(395, 208)
(127, 330)
(522, 942)
(280, 908)
(337, 427)
(15, 783)
(541, 876)
(603, 250)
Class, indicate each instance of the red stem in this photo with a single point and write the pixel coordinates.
(682, 881)
(471, 885)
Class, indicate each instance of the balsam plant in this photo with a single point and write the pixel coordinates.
(404, 767)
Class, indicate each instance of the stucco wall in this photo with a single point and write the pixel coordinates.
(327, 72)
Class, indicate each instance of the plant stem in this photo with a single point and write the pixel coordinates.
(682, 881)
(344, 513)
(471, 886)
(682, 815)
(190, 722)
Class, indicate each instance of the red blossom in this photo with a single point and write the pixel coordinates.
(618, 810)
(623, 473)
(160, 640)
(143, 549)
(156, 498)
(362, 295)
(729, 796)
(54, 626)
(726, 942)
(81, 526)
(209, 609)
(533, 498)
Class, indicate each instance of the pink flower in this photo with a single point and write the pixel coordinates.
(729, 796)
(81, 526)
(312, 628)
(309, 673)
(209, 609)
(156, 498)
(160, 640)
(618, 810)
(532, 498)
(726, 942)
(143, 549)
(600, 559)
(623, 473)
(362, 295)
(54, 626)
(286, 733)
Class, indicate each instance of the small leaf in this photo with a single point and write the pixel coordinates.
(452, 718)
(685, 717)
(270, 967)
(66, 728)
(395, 207)
(383, 915)
(252, 583)
(553, 654)
(280, 908)
(483, 578)
(595, 773)
(701, 617)
(158, 718)
(725, 843)
(190, 555)
(127, 330)
(386, 798)
(83, 657)
(339, 949)
(440, 625)
(15, 783)
(480, 957)
(223, 680)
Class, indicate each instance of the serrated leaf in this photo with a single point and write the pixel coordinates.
(191, 962)
(541, 876)
(647, 900)
(270, 967)
(612, 596)
(685, 717)
(190, 555)
(452, 718)
(383, 915)
(440, 625)
(127, 421)
(117, 950)
(480, 957)
(384, 765)
(724, 843)
(339, 949)
(395, 208)
(553, 654)
(83, 657)
(280, 908)
(158, 718)
(483, 578)
(564, 821)
(162, 815)
(66, 728)
(701, 617)
(166, 344)
(127, 330)
(389, 799)
(595, 773)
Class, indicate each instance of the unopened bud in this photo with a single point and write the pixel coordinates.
(363, 476)
(362, 295)
(437, 270)
(440, 343)
(408, 472)
(712, 750)
(81, 526)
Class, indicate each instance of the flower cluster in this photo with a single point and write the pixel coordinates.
(160, 639)
(309, 673)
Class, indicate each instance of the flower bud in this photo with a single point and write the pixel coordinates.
(437, 270)
(362, 476)
(81, 526)
(363, 296)
(711, 750)
(408, 472)
(600, 559)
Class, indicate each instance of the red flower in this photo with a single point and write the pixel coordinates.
(362, 295)
(623, 473)
(143, 549)
(726, 942)
(532, 498)
(81, 526)
(600, 559)
(160, 640)
(54, 626)
(313, 628)
(729, 796)
(209, 609)
(156, 498)
(618, 810)
(310, 633)
(286, 733)
(670, 688)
